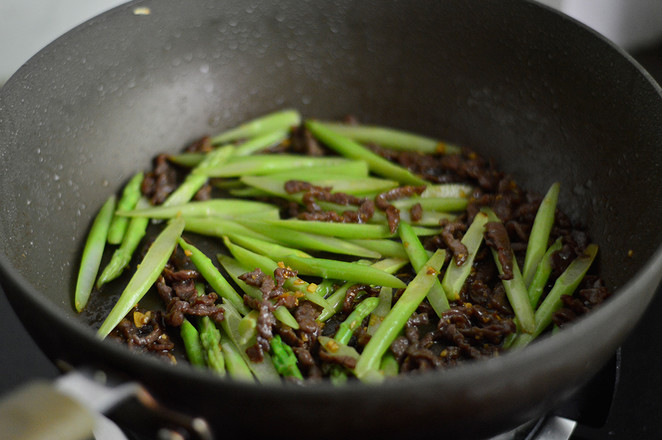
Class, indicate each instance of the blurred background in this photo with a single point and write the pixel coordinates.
(26, 26)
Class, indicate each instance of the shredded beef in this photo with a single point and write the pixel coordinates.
(144, 331)
(416, 212)
(159, 183)
(496, 237)
(457, 248)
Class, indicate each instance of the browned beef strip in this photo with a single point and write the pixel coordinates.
(416, 212)
(159, 183)
(202, 145)
(496, 237)
(150, 335)
(345, 361)
(457, 248)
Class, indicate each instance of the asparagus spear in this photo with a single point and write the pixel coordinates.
(223, 208)
(539, 237)
(382, 309)
(235, 364)
(211, 274)
(198, 177)
(192, 344)
(261, 142)
(264, 371)
(396, 319)
(130, 196)
(345, 230)
(235, 269)
(351, 323)
(335, 269)
(121, 258)
(566, 284)
(279, 120)
(392, 138)
(284, 359)
(261, 164)
(147, 273)
(92, 253)
(358, 186)
(444, 190)
(306, 240)
(418, 256)
(514, 287)
(455, 275)
(542, 274)
(349, 148)
(210, 339)
(268, 266)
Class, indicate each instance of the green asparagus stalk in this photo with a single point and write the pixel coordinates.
(235, 364)
(384, 246)
(418, 257)
(264, 371)
(450, 190)
(211, 274)
(130, 196)
(261, 142)
(235, 269)
(261, 164)
(210, 338)
(514, 287)
(358, 186)
(222, 208)
(542, 274)
(218, 227)
(441, 204)
(354, 320)
(392, 138)
(396, 319)
(271, 250)
(198, 176)
(192, 344)
(336, 299)
(335, 269)
(351, 149)
(123, 254)
(539, 238)
(268, 266)
(279, 120)
(305, 240)
(284, 359)
(92, 253)
(383, 307)
(389, 366)
(147, 273)
(346, 230)
(566, 284)
(455, 275)
(349, 168)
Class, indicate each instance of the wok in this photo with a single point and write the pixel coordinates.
(542, 95)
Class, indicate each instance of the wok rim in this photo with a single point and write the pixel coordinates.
(649, 273)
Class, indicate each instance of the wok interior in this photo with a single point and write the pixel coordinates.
(538, 94)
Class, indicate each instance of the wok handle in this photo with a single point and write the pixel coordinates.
(70, 407)
(39, 411)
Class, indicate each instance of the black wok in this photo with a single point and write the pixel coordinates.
(546, 98)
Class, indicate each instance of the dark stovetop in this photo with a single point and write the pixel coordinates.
(634, 412)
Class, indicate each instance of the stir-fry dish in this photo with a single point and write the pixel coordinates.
(341, 252)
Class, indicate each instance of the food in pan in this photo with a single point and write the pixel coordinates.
(338, 251)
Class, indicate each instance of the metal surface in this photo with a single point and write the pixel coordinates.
(544, 97)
